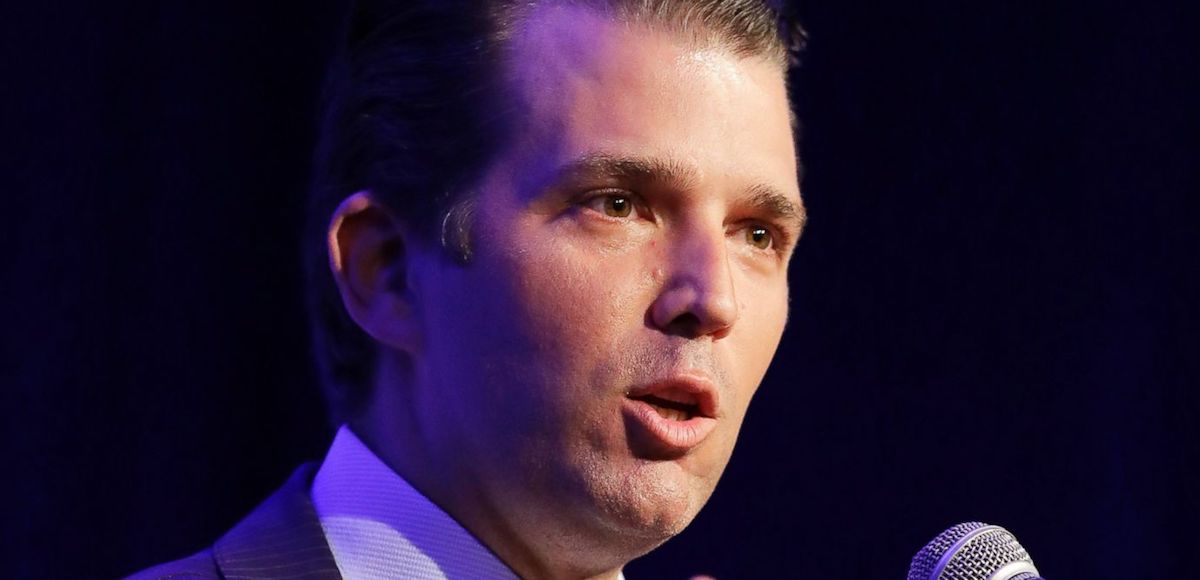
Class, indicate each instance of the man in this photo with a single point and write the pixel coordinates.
(555, 271)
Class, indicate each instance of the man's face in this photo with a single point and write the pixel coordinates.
(592, 364)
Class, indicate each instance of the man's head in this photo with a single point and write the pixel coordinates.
(618, 189)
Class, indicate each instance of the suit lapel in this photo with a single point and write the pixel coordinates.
(281, 538)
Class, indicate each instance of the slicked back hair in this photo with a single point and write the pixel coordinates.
(415, 110)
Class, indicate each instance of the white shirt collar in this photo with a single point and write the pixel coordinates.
(379, 526)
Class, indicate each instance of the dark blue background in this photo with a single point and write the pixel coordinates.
(993, 315)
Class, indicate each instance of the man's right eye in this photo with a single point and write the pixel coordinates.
(613, 205)
(617, 206)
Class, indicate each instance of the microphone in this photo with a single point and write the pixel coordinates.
(973, 551)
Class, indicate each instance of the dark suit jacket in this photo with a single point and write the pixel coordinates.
(281, 538)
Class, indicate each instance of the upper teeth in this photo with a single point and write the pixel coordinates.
(672, 414)
(677, 397)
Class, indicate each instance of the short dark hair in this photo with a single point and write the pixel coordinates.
(414, 110)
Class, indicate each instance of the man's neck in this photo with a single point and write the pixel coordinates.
(458, 492)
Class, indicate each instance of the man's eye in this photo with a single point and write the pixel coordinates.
(617, 206)
(760, 237)
(613, 205)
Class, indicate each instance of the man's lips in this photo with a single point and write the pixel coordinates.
(693, 395)
(667, 418)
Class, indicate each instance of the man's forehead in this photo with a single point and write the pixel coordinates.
(605, 95)
(551, 39)
(552, 43)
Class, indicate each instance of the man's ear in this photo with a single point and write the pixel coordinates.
(368, 255)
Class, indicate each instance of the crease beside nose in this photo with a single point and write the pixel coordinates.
(698, 296)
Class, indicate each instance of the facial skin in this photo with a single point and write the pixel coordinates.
(638, 230)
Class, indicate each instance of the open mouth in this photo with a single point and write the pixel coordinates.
(666, 419)
(674, 410)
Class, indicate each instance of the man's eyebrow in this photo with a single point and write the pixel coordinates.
(630, 168)
(775, 205)
(763, 198)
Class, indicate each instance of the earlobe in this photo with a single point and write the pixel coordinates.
(368, 259)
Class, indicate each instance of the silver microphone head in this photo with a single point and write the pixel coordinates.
(973, 551)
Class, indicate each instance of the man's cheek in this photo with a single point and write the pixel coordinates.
(574, 279)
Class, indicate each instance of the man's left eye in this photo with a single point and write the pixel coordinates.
(760, 237)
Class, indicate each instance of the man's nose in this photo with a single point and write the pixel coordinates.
(697, 296)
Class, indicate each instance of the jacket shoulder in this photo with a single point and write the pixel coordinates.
(282, 538)
(200, 565)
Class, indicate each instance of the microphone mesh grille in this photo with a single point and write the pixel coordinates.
(926, 560)
(981, 556)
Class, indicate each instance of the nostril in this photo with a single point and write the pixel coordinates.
(686, 324)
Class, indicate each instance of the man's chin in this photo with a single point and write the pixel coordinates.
(652, 502)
